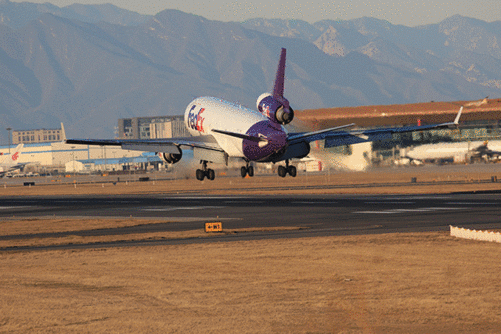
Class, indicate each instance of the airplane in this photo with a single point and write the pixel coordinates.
(221, 130)
(484, 153)
(475, 151)
(9, 163)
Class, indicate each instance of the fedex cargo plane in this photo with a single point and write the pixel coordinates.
(222, 130)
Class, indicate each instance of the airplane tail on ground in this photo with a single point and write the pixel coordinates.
(63, 132)
(14, 157)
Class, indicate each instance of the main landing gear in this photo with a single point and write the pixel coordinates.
(283, 171)
(247, 170)
(205, 172)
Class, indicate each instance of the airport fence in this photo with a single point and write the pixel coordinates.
(464, 233)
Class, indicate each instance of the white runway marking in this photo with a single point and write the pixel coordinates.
(204, 197)
(253, 202)
(470, 203)
(175, 208)
(377, 212)
(105, 201)
(410, 197)
(13, 207)
(394, 211)
(313, 202)
(390, 202)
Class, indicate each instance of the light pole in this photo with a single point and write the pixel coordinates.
(8, 129)
(73, 157)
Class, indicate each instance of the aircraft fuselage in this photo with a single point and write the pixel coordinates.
(205, 114)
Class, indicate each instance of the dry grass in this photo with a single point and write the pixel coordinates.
(275, 185)
(34, 227)
(412, 283)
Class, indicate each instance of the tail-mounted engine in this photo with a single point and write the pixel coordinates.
(171, 158)
(276, 109)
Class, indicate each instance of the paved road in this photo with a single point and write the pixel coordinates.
(321, 215)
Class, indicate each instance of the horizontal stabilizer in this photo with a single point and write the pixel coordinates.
(316, 135)
(242, 136)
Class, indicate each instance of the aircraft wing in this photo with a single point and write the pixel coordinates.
(13, 168)
(168, 145)
(333, 137)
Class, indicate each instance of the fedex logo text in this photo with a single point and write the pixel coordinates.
(195, 119)
(266, 111)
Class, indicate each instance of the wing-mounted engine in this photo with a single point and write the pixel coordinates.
(171, 158)
(277, 110)
(275, 106)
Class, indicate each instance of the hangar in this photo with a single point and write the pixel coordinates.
(480, 121)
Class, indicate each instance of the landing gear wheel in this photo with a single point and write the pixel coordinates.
(292, 171)
(243, 171)
(282, 171)
(211, 175)
(250, 171)
(200, 175)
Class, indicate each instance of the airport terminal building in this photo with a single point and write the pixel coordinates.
(46, 149)
(480, 121)
(52, 157)
(152, 127)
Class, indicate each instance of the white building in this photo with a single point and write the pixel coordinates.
(56, 155)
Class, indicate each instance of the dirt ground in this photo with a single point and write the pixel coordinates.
(396, 283)
(343, 183)
(408, 283)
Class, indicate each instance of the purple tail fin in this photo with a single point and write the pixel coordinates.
(278, 87)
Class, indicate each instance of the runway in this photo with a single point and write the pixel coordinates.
(320, 215)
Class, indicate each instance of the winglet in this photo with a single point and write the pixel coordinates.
(456, 121)
(278, 86)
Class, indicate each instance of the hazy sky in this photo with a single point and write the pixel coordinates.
(410, 13)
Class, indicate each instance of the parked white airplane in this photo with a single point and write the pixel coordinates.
(478, 150)
(10, 162)
(223, 130)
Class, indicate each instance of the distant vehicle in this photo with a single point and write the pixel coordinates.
(223, 130)
(10, 162)
(458, 152)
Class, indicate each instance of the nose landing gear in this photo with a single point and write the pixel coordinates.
(205, 172)
(283, 171)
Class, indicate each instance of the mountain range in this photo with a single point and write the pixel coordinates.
(88, 65)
